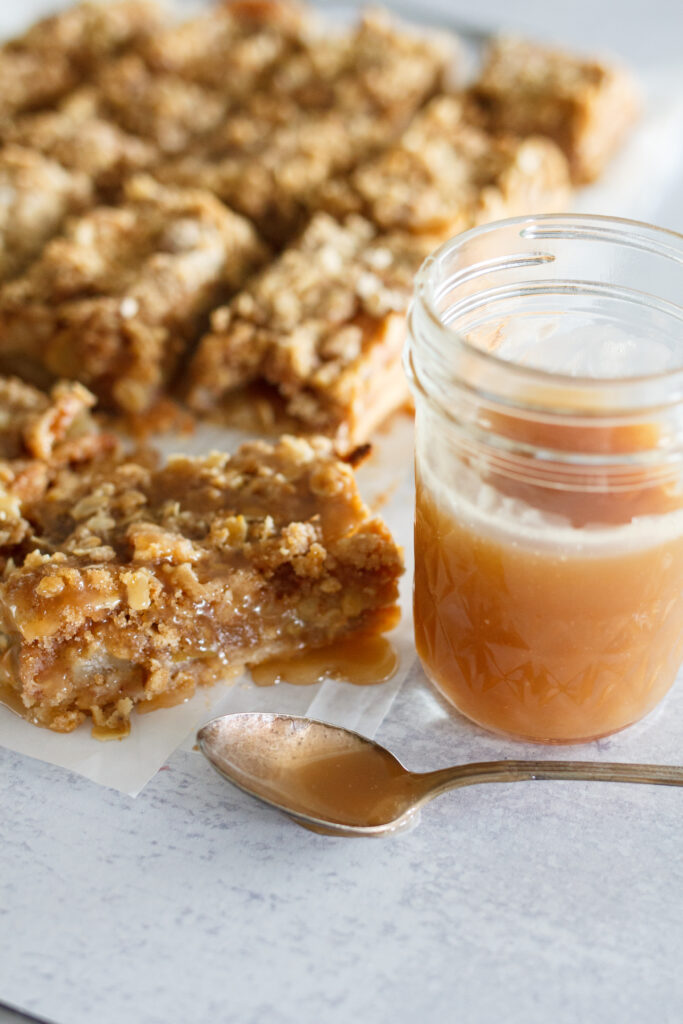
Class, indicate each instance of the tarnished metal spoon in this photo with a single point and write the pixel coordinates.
(338, 782)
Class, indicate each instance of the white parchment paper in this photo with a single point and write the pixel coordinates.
(649, 168)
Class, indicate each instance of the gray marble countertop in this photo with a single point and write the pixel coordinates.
(533, 904)
(528, 904)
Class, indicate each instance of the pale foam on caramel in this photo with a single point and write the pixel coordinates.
(466, 496)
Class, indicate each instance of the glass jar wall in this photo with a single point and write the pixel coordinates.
(546, 359)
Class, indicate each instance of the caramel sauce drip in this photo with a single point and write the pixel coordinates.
(168, 699)
(364, 660)
(105, 733)
(10, 699)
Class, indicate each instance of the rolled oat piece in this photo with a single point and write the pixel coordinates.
(586, 106)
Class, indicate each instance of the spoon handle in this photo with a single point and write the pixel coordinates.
(431, 784)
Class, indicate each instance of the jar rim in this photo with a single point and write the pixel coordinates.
(665, 387)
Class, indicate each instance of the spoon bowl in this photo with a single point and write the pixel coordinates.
(335, 781)
(331, 779)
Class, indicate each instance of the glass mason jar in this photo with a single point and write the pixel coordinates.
(546, 359)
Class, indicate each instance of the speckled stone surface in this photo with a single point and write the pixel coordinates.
(543, 903)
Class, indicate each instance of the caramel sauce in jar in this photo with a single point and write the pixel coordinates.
(551, 644)
(546, 360)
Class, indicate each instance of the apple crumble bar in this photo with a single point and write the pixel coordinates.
(181, 85)
(77, 136)
(322, 110)
(60, 51)
(268, 162)
(137, 583)
(323, 325)
(445, 175)
(380, 66)
(36, 195)
(586, 106)
(115, 300)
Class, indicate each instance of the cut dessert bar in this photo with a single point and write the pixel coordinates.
(163, 108)
(230, 47)
(380, 66)
(115, 300)
(40, 435)
(37, 195)
(584, 105)
(80, 139)
(180, 85)
(314, 118)
(324, 325)
(445, 175)
(267, 163)
(138, 584)
(59, 52)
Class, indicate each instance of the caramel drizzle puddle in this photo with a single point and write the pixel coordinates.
(361, 660)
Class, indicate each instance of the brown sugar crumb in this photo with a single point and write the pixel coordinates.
(323, 324)
(115, 301)
(446, 174)
(78, 137)
(585, 105)
(36, 196)
(59, 52)
(141, 582)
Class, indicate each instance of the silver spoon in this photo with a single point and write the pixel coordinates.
(335, 781)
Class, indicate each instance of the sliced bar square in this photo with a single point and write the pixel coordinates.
(323, 326)
(117, 299)
(138, 584)
(446, 174)
(586, 106)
